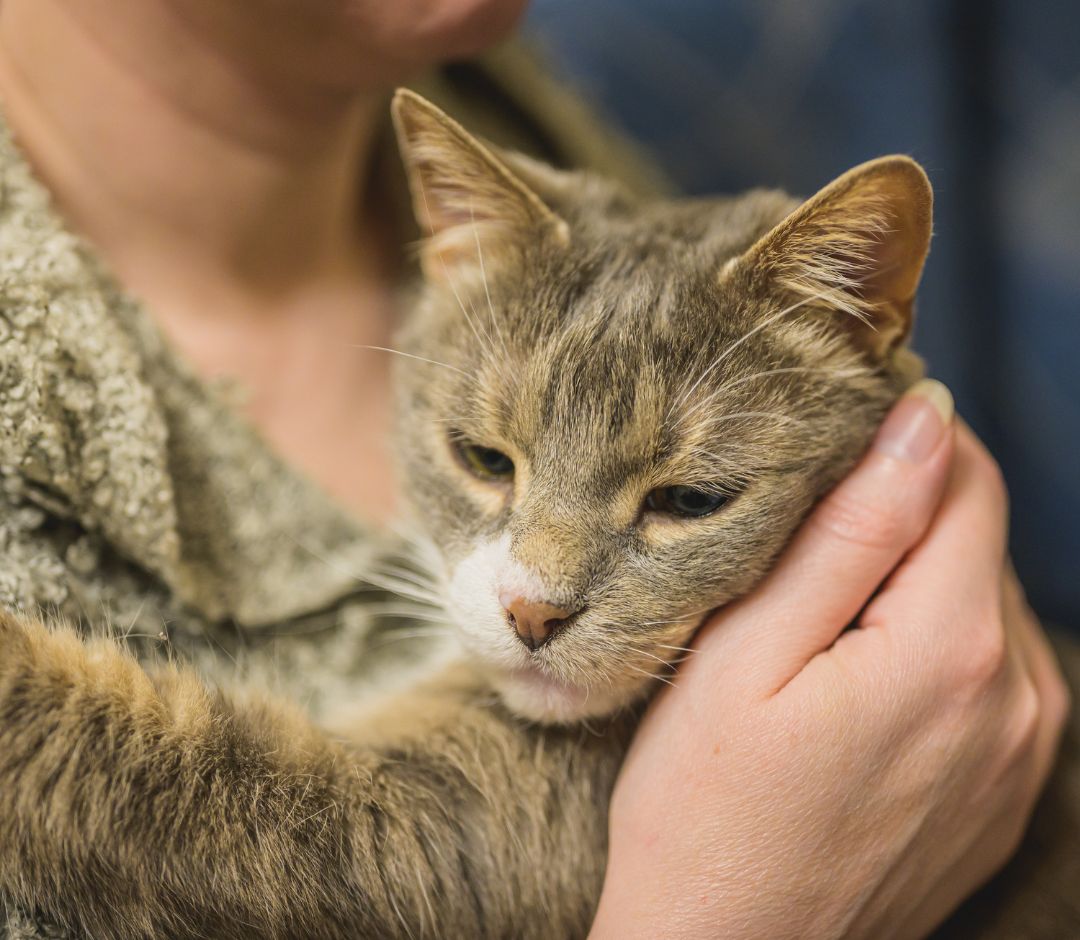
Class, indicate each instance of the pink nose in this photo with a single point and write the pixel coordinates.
(535, 622)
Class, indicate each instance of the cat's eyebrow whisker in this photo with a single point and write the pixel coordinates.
(835, 372)
(450, 281)
(483, 278)
(741, 450)
(398, 352)
(770, 415)
(757, 328)
(588, 727)
(735, 459)
(483, 338)
(737, 464)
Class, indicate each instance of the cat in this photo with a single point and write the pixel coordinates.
(614, 413)
(636, 403)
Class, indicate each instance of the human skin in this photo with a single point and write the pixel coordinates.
(232, 139)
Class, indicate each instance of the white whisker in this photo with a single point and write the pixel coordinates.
(401, 636)
(770, 415)
(408, 575)
(483, 278)
(450, 280)
(757, 328)
(685, 649)
(650, 675)
(680, 619)
(390, 611)
(398, 352)
(832, 371)
(663, 662)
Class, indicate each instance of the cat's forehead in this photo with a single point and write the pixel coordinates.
(627, 343)
(651, 271)
(615, 364)
(653, 311)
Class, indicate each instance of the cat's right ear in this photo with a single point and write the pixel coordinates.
(854, 252)
(471, 205)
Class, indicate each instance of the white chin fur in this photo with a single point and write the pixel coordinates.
(473, 602)
(533, 696)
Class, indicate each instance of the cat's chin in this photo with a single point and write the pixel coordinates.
(537, 697)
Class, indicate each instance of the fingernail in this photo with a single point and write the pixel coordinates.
(916, 425)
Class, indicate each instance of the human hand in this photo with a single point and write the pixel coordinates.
(803, 781)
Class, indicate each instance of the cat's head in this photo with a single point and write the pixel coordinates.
(621, 409)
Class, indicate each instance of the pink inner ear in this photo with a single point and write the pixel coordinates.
(465, 197)
(449, 206)
(858, 246)
(896, 258)
(463, 246)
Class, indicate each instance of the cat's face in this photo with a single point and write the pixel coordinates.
(628, 408)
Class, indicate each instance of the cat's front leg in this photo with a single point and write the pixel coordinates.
(144, 805)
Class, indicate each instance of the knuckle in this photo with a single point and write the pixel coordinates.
(1018, 827)
(1026, 717)
(986, 657)
(874, 525)
(1059, 701)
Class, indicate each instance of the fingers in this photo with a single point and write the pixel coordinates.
(945, 597)
(850, 543)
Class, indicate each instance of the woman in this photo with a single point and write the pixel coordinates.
(224, 163)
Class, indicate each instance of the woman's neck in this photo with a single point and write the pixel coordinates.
(229, 199)
(226, 173)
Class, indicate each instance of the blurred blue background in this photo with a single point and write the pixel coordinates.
(729, 94)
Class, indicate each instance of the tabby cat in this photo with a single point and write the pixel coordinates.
(614, 413)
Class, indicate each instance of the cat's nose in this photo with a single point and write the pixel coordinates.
(535, 622)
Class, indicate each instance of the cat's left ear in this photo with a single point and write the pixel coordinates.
(856, 249)
(463, 194)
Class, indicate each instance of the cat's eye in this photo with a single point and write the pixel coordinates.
(487, 463)
(687, 501)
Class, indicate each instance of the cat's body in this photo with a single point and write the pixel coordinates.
(614, 416)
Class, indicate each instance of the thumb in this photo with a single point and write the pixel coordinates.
(848, 545)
